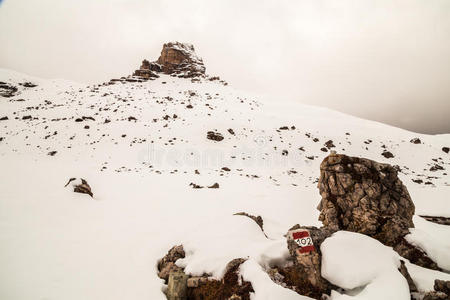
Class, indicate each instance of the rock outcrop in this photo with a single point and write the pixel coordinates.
(183, 286)
(364, 196)
(177, 59)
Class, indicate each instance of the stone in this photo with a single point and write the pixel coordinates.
(7, 90)
(435, 296)
(304, 275)
(5, 118)
(214, 186)
(442, 286)
(80, 186)
(364, 196)
(177, 287)
(416, 141)
(167, 264)
(387, 154)
(446, 149)
(404, 271)
(214, 136)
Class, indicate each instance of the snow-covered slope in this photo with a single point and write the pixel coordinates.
(140, 145)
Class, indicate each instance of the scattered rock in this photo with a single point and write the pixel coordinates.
(214, 186)
(329, 144)
(26, 118)
(231, 131)
(80, 186)
(52, 153)
(226, 169)
(28, 84)
(387, 154)
(215, 136)
(436, 167)
(416, 141)
(437, 220)
(195, 186)
(7, 90)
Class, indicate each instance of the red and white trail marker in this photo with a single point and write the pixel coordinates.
(303, 239)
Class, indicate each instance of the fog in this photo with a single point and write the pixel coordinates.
(384, 60)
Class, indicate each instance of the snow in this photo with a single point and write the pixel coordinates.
(434, 239)
(363, 265)
(57, 244)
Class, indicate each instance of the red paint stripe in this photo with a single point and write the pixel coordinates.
(307, 249)
(300, 234)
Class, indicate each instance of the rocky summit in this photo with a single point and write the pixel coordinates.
(177, 59)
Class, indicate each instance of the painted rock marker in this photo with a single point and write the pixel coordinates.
(303, 240)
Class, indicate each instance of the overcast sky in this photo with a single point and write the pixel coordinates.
(385, 60)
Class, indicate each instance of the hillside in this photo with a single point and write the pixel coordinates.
(143, 145)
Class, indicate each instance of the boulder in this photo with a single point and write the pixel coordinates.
(364, 196)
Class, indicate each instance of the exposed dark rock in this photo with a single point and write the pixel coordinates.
(329, 144)
(215, 136)
(214, 186)
(226, 169)
(26, 118)
(4, 118)
(387, 154)
(82, 187)
(195, 186)
(446, 149)
(404, 271)
(364, 196)
(7, 90)
(436, 167)
(416, 141)
(167, 263)
(441, 291)
(185, 287)
(232, 286)
(437, 220)
(231, 131)
(28, 84)
(52, 153)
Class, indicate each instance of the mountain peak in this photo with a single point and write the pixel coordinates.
(176, 59)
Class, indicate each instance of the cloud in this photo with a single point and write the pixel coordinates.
(386, 60)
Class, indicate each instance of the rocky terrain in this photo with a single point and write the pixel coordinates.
(173, 156)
